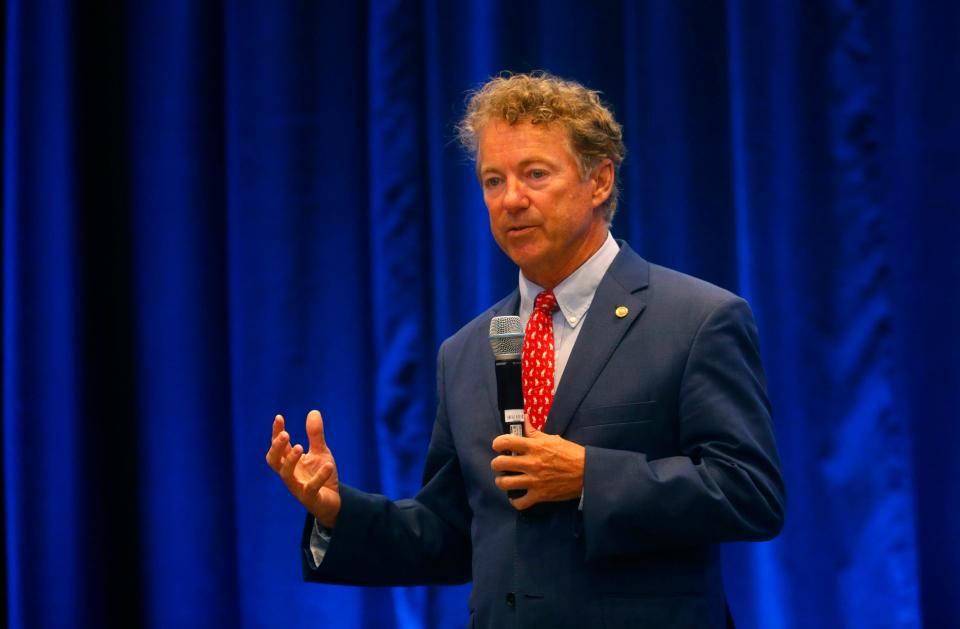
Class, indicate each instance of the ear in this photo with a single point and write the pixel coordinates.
(602, 177)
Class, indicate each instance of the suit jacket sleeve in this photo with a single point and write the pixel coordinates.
(408, 542)
(724, 484)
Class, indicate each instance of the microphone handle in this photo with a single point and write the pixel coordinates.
(510, 401)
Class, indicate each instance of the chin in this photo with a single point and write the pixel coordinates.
(521, 256)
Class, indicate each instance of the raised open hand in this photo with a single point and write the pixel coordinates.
(312, 476)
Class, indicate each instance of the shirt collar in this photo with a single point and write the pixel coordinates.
(575, 293)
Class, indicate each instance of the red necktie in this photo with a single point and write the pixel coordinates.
(537, 360)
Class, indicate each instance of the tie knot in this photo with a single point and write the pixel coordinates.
(546, 302)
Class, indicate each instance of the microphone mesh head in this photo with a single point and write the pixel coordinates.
(506, 337)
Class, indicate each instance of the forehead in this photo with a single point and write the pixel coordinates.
(501, 141)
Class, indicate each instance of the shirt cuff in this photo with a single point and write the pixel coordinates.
(320, 541)
(580, 506)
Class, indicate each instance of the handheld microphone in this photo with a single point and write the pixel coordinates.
(506, 341)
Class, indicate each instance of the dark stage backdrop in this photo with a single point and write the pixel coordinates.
(213, 212)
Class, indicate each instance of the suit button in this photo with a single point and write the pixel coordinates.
(511, 599)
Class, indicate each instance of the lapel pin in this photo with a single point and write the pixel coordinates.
(621, 312)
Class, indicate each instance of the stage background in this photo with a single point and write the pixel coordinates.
(216, 211)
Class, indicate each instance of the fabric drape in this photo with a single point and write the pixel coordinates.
(214, 212)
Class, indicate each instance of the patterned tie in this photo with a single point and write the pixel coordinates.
(538, 361)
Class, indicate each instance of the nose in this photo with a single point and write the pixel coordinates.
(515, 197)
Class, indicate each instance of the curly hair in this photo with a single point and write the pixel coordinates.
(541, 98)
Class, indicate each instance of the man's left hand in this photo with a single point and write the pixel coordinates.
(549, 467)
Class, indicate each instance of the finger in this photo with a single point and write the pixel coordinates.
(290, 462)
(277, 426)
(284, 444)
(525, 501)
(278, 448)
(319, 479)
(529, 431)
(315, 432)
(518, 481)
(510, 443)
(506, 463)
(322, 498)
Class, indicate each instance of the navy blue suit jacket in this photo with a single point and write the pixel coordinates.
(669, 402)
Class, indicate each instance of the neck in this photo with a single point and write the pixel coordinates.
(549, 278)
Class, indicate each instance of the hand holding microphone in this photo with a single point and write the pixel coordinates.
(538, 467)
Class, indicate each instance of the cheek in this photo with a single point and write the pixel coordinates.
(491, 207)
(493, 222)
(494, 219)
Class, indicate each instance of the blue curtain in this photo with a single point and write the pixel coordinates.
(214, 212)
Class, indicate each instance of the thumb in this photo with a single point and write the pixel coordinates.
(315, 432)
(528, 428)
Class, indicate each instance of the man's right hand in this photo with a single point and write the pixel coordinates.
(310, 477)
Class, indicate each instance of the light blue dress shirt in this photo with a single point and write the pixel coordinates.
(574, 296)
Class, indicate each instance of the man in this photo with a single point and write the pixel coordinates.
(648, 437)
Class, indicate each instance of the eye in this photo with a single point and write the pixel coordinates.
(491, 182)
(538, 173)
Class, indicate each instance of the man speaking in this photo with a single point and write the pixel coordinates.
(648, 437)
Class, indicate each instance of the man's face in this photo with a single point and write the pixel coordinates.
(543, 216)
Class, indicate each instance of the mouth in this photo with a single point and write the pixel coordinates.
(520, 230)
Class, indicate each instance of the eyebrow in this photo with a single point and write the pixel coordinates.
(523, 163)
(535, 159)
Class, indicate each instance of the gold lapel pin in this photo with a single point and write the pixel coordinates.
(621, 311)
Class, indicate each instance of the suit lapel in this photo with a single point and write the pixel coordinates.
(602, 331)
